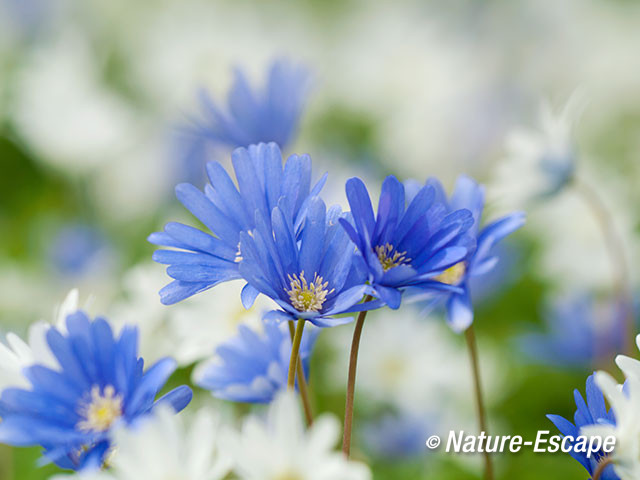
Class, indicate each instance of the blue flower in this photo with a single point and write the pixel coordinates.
(314, 278)
(397, 436)
(71, 411)
(576, 334)
(252, 367)
(227, 210)
(253, 116)
(77, 248)
(408, 243)
(479, 259)
(593, 412)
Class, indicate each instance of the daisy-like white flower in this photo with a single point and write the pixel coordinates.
(392, 356)
(191, 330)
(540, 162)
(71, 410)
(205, 260)
(252, 367)
(18, 354)
(278, 447)
(253, 116)
(164, 446)
(625, 405)
(410, 240)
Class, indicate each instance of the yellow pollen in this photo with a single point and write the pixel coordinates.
(238, 258)
(390, 258)
(104, 408)
(307, 297)
(288, 476)
(452, 275)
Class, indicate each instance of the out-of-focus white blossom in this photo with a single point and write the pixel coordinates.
(416, 366)
(189, 331)
(165, 446)
(279, 447)
(18, 354)
(540, 162)
(63, 109)
(626, 407)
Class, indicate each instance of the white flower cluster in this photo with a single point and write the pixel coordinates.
(625, 403)
(164, 446)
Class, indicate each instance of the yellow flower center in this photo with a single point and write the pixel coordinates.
(307, 297)
(452, 275)
(289, 476)
(104, 408)
(390, 258)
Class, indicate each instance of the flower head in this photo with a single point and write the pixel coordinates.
(408, 243)
(18, 354)
(591, 412)
(625, 405)
(253, 116)
(480, 257)
(313, 278)
(205, 260)
(541, 162)
(71, 411)
(279, 447)
(163, 446)
(252, 367)
(579, 332)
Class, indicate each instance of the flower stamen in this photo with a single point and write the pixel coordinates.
(389, 258)
(452, 275)
(307, 297)
(104, 408)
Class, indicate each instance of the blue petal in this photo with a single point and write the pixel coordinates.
(248, 296)
(178, 398)
(460, 312)
(361, 208)
(205, 211)
(151, 382)
(391, 296)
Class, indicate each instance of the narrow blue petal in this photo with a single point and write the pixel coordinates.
(178, 398)
(459, 312)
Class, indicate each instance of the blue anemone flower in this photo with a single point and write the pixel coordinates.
(314, 278)
(398, 436)
(71, 411)
(227, 210)
(480, 259)
(408, 243)
(578, 334)
(252, 367)
(253, 116)
(593, 412)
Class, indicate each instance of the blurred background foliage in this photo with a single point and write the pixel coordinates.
(92, 93)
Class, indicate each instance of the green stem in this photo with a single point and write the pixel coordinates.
(295, 350)
(616, 251)
(302, 382)
(601, 467)
(351, 382)
(470, 337)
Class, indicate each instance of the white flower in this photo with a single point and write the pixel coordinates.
(18, 354)
(279, 448)
(416, 365)
(189, 331)
(626, 407)
(62, 108)
(539, 162)
(164, 446)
